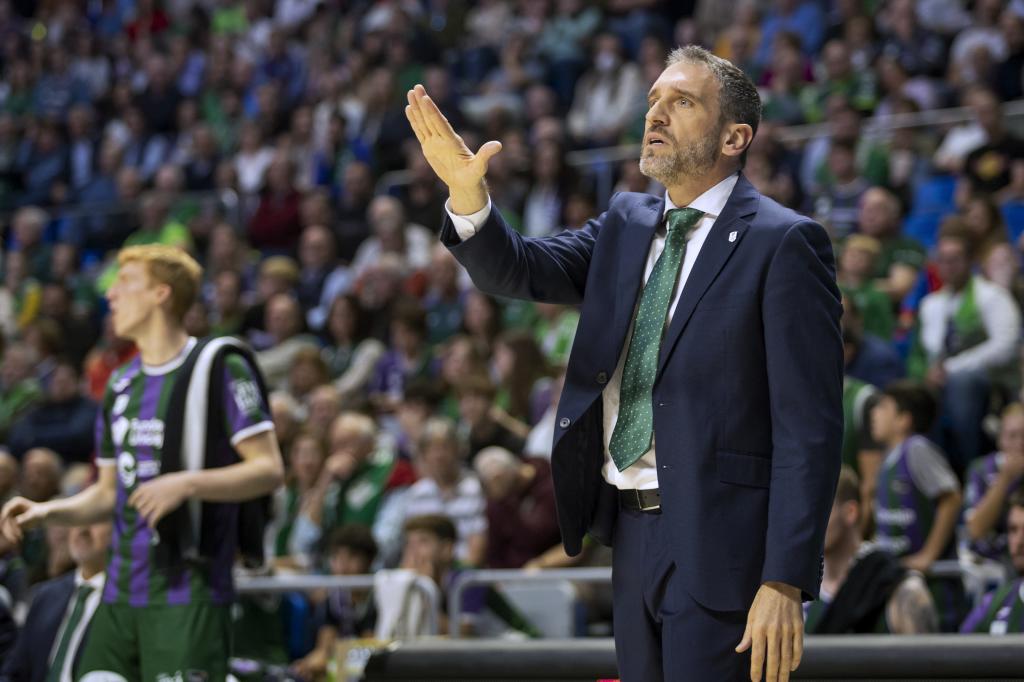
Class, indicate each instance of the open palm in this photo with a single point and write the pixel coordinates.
(445, 151)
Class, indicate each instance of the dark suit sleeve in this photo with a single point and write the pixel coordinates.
(805, 376)
(502, 262)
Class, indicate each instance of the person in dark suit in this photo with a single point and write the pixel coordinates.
(58, 618)
(700, 425)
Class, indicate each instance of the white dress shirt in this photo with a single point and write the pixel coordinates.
(92, 602)
(644, 473)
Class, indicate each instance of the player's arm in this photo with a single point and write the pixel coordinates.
(260, 472)
(92, 505)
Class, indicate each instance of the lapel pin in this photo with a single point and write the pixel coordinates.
(732, 236)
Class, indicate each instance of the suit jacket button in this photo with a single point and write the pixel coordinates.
(602, 377)
(564, 422)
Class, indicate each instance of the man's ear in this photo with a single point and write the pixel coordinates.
(163, 293)
(738, 137)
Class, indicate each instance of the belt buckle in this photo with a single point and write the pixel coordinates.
(640, 503)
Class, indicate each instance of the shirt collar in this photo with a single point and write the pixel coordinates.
(172, 364)
(96, 582)
(713, 201)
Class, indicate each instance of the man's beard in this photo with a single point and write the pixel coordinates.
(689, 160)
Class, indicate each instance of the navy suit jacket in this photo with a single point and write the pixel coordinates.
(29, 660)
(748, 395)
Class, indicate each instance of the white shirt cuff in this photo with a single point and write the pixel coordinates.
(467, 225)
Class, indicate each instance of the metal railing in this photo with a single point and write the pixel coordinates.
(471, 578)
(303, 583)
(850, 657)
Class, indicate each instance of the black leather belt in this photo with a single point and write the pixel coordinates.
(641, 500)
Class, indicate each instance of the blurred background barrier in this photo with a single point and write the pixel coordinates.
(879, 658)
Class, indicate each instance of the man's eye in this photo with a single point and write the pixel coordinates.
(683, 102)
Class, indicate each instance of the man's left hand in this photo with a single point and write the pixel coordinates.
(157, 498)
(775, 630)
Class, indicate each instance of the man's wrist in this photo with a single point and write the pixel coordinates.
(784, 589)
(468, 200)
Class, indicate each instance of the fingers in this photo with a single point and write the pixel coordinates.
(757, 656)
(435, 121)
(798, 648)
(744, 641)
(785, 655)
(412, 112)
(773, 647)
(488, 150)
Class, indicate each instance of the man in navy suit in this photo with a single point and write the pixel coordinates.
(700, 424)
(58, 618)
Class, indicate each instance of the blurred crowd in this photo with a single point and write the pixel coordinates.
(416, 413)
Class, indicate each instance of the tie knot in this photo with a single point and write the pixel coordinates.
(84, 590)
(683, 219)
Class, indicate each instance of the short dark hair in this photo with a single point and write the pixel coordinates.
(738, 99)
(410, 313)
(955, 228)
(1015, 500)
(356, 538)
(438, 525)
(914, 399)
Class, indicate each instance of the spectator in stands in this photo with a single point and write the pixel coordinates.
(964, 138)
(284, 325)
(28, 229)
(78, 332)
(901, 257)
(445, 298)
(253, 158)
(842, 78)
(430, 542)
(145, 150)
(556, 331)
(447, 487)
(352, 482)
(322, 278)
(918, 50)
(982, 218)
(845, 123)
(483, 424)
(306, 372)
(342, 613)
(305, 462)
(864, 589)
(323, 404)
(918, 496)
(1002, 610)
(57, 623)
(606, 96)
(861, 454)
(991, 481)
(19, 389)
(353, 207)
(521, 519)
(1006, 79)
(803, 18)
(64, 421)
(838, 204)
(997, 166)
(277, 275)
(407, 358)
(82, 147)
(523, 375)
(110, 353)
(967, 344)
(272, 227)
(856, 280)
(978, 46)
(482, 319)
(392, 233)
(41, 474)
(785, 79)
(227, 312)
(351, 354)
(287, 415)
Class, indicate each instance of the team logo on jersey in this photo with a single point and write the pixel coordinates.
(118, 430)
(146, 432)
(126, 469)
(247, 395)
(120, 404)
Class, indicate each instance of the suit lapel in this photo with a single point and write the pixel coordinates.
(641, 224)
(714, 253)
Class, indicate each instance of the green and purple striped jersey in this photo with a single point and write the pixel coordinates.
(130, 436)
(1000, 612)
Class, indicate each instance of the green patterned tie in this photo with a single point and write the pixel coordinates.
(77, 611)
(635, 426)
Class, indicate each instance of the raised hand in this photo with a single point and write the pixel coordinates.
(452, 161)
